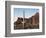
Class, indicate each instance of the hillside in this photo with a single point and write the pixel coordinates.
(29, 23)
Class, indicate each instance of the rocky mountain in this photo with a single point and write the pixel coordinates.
(29, 23)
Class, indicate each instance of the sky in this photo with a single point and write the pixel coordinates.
(18, 12)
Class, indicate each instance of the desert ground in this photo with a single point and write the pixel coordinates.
(29, 23)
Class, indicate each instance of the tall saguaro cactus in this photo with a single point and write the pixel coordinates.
(23, 18)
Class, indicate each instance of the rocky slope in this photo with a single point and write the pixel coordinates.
(29, 23)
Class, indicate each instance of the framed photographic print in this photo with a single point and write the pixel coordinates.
(24, 18)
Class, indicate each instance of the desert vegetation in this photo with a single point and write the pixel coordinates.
(29, 23)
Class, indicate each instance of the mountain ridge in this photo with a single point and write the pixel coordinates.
(31, 22)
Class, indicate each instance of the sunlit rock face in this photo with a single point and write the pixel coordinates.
(29, 23)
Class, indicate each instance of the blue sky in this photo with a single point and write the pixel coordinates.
(18, 12)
